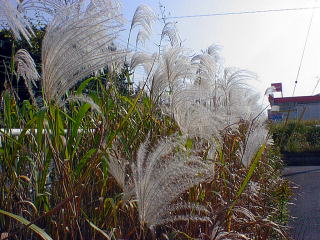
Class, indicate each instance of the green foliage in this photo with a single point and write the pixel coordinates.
(59, 158)
(55, 172)
(35, 228)
(297, 136)
(58, 164)
(8, 48)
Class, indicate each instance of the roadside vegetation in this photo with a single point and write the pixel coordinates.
(93, 154)
(297, 136)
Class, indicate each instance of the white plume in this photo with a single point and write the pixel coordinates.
(255, 137)
(169, 30)
(85, 99)
(193, 116)
(76, 44)
(208, 70)
(117, 168)
(15, 20)
(142, 36)
(216, 100)
(26, 68)
(270, 91)
(48, 7)
(144, 16)
(173, 68)
(160, 176)
(145, 60)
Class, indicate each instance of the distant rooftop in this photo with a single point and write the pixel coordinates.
(298, 99)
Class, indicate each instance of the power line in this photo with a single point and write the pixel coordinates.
(304, 49)
(242, 12)
(133, 47)
(316, 85)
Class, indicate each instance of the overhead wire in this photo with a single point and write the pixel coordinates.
(133, 47)
(243, 12)
(248, 12)
(229, 13)
(304, 47)
(316, 85)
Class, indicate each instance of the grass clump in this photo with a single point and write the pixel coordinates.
(296, 136)
(183, 155)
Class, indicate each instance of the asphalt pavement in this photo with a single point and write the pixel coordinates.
(306, 202)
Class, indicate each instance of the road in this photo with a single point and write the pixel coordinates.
(306, 202)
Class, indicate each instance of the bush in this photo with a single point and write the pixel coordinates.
(296, 136)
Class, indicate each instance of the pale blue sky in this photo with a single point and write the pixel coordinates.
(269, 44)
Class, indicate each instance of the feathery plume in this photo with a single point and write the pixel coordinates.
(117, 168)
(15, 20)
(143, 59)
(255, 137)
(213, 51)
(86, 99)
(160, 177)
(216, 100)
(236, 97)
(236, 78)
(142, 36)
(169, 30)
(144, 16)
(194, 118)
(76, 44)
(49, 7)
(173, 68)
(207, 72)
(270, 91)
(244, 104)
(26, 68)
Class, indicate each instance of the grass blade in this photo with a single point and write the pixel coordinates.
(24, 221)
(245, 182)
(99, 230)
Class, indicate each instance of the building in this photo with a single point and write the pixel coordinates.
(292, 108)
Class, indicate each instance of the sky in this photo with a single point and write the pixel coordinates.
(269, 44)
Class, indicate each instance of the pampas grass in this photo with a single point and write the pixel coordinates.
(170, 31)
(18, 24)
(51, 7)
(160, 176)
(255, 137)
(144, 17)
(76, 45)
(81, 170)
(172, 69)
(26, 68)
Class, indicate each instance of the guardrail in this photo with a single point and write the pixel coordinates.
(15, 132)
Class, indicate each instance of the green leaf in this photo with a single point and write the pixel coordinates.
(84, 160)
(24, 221)
(7, 110)
(189, 143)
(99, 230)
(40, 120)
(246, 180)
(253, 166)
(81, 114)
(112, 136)
(84, 85)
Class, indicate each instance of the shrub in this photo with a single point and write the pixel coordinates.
(296, 136)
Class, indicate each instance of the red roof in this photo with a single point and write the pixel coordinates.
(303, 99)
